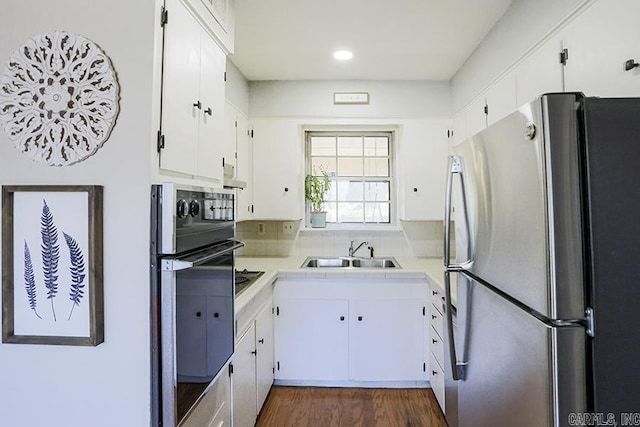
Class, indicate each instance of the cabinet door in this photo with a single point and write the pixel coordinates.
(423, 151)
(312, 339)
(212, 116)
(244, 170)
(244, 380)
(540, 73)
(501, 98)
(220, 319)
(265, 360)
(476, 119)
(277, 170)
(387, 340)
(459, 129)
(181, 74)
(600, 40)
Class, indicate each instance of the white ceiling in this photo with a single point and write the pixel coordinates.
(391, 40)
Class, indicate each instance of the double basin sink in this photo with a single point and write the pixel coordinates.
(346, 262)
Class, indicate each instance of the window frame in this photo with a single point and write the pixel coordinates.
(391, 179)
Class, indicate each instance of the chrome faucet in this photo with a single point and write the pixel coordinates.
(353, 251)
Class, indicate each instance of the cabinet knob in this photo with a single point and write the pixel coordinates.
(434, 293)
(433, 317)
(208, 111)
(342, 318)
(254, 352)
(415, 189)
(434, 341)
(198, 314)
(359, 318)
(261, 340)
(434, 373)
(286, 189)
(216, 315)
(198, 105)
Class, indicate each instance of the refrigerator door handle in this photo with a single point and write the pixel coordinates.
(458, 370)
(456, 167)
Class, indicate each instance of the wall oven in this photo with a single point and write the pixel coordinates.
(192, 270)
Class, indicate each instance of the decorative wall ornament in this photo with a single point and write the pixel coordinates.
(58, 98)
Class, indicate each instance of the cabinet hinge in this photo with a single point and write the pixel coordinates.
(424, 367)
(251, 208)
(164, 16)
(236, 123)
(235, 154)
(277, 308)
(160, 141)
(486, 109)
(225, 76)
(230, 369)
(278, 364)
(251, 133)
(223, 162)
(449, 133)
(273, 370)
(424, 311)
(564, 56)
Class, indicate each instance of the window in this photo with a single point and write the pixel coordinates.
(359, 165)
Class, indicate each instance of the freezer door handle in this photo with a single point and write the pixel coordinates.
(457, 368)
(456, 167)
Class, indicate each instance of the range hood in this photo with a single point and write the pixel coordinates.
(229, 180)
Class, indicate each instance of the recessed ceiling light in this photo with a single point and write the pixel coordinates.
(342, 55)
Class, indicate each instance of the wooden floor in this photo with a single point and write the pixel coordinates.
(350, 407)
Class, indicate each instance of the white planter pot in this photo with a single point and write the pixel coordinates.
(318, 219)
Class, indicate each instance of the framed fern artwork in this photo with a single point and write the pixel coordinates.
(52, 265)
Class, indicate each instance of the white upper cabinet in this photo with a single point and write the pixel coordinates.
(459, 129)
(501, 99)
(192, 99)
(244, 168)
(599, 42)
(422, 165)
(277, 170)
(219, 17)
(541, 72)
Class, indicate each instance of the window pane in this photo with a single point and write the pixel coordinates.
(376, 191)
(323, 146)
(331, 194)
(350, 166)
(377, 212)
(328, 164)
(350, 212)
(350, 190)
(376, 166)
(376, 146)
(349, 146)
(331, 211)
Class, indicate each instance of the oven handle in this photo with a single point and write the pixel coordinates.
(175, 264)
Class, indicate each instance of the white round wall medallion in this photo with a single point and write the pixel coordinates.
(58, 98)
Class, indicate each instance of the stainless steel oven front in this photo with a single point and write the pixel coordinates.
(192, 270)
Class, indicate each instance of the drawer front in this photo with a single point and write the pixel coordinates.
(436, 378)
(437, 298)
(436, 320)
(437, 347)
(214, 405)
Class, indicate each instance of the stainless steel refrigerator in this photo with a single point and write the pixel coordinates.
(547, 228)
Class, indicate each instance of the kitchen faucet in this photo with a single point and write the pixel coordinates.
(353, 251)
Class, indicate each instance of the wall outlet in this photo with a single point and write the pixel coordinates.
(261, 228)
(287, 227)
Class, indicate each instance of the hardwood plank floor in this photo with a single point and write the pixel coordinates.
(350, 407)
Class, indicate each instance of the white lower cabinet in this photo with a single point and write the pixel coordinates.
(325, 331)
(312, 339)
(214, 408)
(253, 369)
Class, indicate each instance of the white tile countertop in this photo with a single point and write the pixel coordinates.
(290, 267)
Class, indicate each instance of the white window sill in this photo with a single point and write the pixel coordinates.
(354, 228)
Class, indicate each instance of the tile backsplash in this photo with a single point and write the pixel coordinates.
(268, 238)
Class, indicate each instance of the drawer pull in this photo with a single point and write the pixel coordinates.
(434, 373)
(434, 341)
(434, 293)
(434, 317)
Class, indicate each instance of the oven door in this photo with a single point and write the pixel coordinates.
(197, 324)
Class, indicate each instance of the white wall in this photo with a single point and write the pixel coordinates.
(237, 88)
(524, 24)
(425, 99)
(107, 385)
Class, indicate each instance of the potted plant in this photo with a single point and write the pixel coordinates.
(315, 189)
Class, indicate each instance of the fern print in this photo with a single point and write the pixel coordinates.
(29, 279)
(50, 254)
(77, 272)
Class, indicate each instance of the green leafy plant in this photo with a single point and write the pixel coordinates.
(316, 188)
